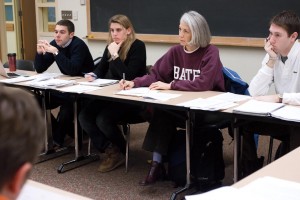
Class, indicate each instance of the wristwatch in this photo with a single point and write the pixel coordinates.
(55, 53)
(115, 55)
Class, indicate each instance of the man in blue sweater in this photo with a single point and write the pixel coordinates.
(73, 58)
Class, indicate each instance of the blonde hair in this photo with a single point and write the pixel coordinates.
(126, 23)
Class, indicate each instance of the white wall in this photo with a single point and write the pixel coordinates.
(11, 41)
(246, 61)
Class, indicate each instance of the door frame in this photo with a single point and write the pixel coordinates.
(3, 40)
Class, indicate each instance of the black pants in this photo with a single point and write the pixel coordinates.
(163, 126)
(289, 135)
(63, 124)
(100, 119)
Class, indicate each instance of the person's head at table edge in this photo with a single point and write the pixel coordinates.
(21, 136)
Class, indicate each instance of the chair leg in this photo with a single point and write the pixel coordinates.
(89, 146)
(127, 146)
(270, 150)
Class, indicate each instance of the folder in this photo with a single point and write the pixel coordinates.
(259, 108)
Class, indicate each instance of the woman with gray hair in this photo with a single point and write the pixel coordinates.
(193, 65)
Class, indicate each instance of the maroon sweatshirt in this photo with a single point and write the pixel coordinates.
(200, 70)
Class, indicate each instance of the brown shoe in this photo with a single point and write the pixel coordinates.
(113, 160)
(156, 172)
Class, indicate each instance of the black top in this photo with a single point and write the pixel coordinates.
(73, 60)
(133, 66)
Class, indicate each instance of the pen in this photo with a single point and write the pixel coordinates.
(124, 81)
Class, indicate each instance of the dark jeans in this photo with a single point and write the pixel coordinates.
(100, 119)
(164, 124)
(63, 124)
(289, 135)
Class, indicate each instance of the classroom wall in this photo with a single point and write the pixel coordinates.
(11, 41)
(245, 60)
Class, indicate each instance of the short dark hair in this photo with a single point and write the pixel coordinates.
(68, 24)
(288, 20)
(22, 131)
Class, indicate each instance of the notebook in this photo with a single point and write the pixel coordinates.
(259, 108)
(7, 74)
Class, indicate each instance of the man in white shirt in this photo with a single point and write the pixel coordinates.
(281, 67)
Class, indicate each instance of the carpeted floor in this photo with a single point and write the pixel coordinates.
(87, 181)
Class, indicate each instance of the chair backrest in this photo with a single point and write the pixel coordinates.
(148, 69)
(234, 83)
(23, 65)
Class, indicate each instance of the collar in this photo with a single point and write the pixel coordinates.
(186, 51)
(283, 58)
(67, 44)
(294, 50)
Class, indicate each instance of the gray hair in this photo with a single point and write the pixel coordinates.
(201, 35)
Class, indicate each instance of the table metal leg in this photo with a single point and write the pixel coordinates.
(236, 154)
(79, 159)
(188, 184)
(49, 152)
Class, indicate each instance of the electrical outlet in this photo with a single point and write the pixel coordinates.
(75, 15)
(66, 14)
(82, 2)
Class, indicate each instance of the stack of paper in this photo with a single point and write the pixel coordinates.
(289, 113)
(160, 96)
(218, 102)
(146, 93)
(260, 108)
(17, 79)
(34, 78)
(208, 104)
(230, 97)
(51, 83)
(139, 92)
(79, 88)
(36, 193)
(99, 82)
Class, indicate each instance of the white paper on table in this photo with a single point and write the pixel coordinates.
(224, 193)
(208, 104)
(289, 113)
(79, 88)
(265, 188)
(45, 76)
(34, 193)
(255, 107)
(228, 96)
(51, 83)
(49, 75)
(271, 188)
(146, 93)
(99, 82)
(160, 96)
(17, 79)
(140, 91)
(32, 79)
